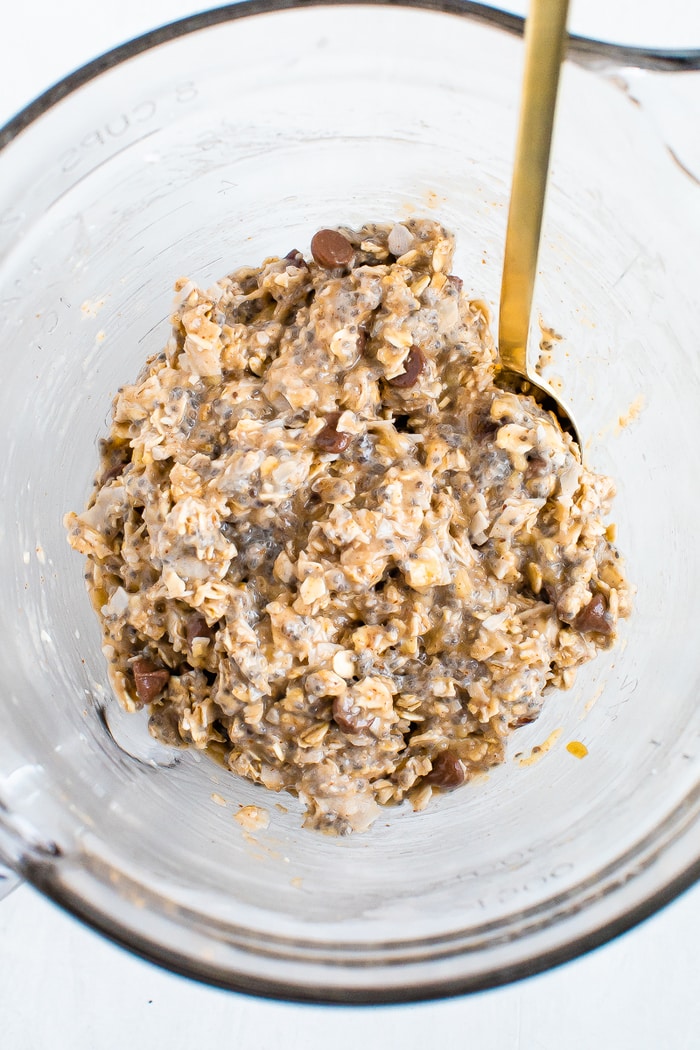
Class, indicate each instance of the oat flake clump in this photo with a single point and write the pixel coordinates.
(326, 548)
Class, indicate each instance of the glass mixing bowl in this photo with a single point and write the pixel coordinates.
(234, 135)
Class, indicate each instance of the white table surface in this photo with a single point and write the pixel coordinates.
(63, 986)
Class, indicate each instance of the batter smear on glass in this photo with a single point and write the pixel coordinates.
(323, 544)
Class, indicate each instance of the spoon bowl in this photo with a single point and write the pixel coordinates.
(530, 383)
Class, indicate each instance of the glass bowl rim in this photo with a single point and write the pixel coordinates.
(40, 871)
(589, 52)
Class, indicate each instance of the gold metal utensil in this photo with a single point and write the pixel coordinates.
(545, 41)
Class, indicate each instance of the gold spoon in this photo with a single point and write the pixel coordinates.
(545, 37)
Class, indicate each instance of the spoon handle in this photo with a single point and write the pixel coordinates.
(545, 37)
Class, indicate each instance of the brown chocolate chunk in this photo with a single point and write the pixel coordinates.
(197, 627)
(413, 366)
(330, 249)
(296, 259)
(455, 281)
(150, 680)
(447, 772)
(330, 439)
(348, 716)
(594, 617)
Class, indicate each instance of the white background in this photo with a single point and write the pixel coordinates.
(62, 986)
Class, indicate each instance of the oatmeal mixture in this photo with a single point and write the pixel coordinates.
(326, 548)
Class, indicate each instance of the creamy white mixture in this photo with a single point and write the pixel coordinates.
(327, 548)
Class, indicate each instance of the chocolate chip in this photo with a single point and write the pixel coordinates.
(524, 720)
(413, 366)
(330, 439)
(447, 772)
(455, 281)
(296, 259)
(348, 716)
(150, 680)
(362, 338)
(594, 618)
(197, 627)
(330, 249)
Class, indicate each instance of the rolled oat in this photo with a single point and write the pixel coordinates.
(326, 548)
